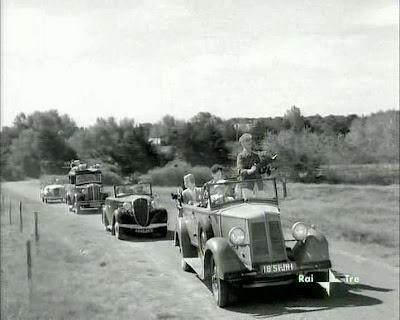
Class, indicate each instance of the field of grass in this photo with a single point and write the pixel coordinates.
(381, 174)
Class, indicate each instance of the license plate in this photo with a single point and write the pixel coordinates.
(278, 267)
(143, 230)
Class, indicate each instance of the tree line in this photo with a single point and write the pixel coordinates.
(42, 142)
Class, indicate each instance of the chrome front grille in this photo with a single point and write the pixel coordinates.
(276, 238)
(93, 192)
(141, 211)
(259, 240)
(56, 192)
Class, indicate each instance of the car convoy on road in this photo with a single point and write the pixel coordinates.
(232, 238)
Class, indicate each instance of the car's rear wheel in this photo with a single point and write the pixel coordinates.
(221, 289)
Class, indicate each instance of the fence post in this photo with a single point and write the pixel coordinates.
(2, 204)
(21, 227)
(9, 213)
(29, 268)
(35, 214)
(284, 188)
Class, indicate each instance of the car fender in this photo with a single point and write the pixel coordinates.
(205, 225)
(313, 249)
(224, 256)
(187, 249)
(159, 215)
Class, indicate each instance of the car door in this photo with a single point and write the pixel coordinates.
(190, 219)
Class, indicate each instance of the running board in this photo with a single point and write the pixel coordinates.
(197, 265)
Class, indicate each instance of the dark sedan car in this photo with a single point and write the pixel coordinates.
(132, 207)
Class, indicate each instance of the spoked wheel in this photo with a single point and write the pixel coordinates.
(220, 288)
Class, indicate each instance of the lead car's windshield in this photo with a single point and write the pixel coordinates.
(239, 191)
(131, 189)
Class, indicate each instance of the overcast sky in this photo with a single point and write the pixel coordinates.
(249, 58)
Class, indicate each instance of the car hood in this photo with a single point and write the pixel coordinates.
(248, 210)
(132, 198)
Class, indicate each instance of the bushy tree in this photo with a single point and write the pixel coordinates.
(201, 142)
(36, 144)
(375, 139)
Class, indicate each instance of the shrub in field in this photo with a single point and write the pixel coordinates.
(172, 174)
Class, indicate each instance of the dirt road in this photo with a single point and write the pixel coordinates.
(82, 272)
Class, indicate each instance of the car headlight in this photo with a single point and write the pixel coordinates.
(299, 231)
(127, 206)
(236, 236)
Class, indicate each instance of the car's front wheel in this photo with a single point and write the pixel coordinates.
(221, 289)
(105, 221)
(163, 232)
(77, 208)
(118, 231)
(185, 266)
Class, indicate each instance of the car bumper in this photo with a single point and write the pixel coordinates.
(255, 278)
(90, 204)
(139, 229)
(53, 198)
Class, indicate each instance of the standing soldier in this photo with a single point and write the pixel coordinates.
(248, 161)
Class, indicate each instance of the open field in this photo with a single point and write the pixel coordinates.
(81, 272)
(367, 216)
(381, 174)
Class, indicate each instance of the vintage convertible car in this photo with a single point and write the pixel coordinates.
(53, 192)
(234, 239)
(132, 206)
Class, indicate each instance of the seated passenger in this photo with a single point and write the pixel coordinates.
(221, 193)
(216, 173)
(191, 195)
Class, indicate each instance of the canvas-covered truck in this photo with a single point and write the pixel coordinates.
(84, 190)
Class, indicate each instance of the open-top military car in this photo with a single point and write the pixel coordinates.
(132, 207)
(84, 191)
(234, 238)
(52, 192)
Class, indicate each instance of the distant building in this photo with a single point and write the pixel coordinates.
(156, 141)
